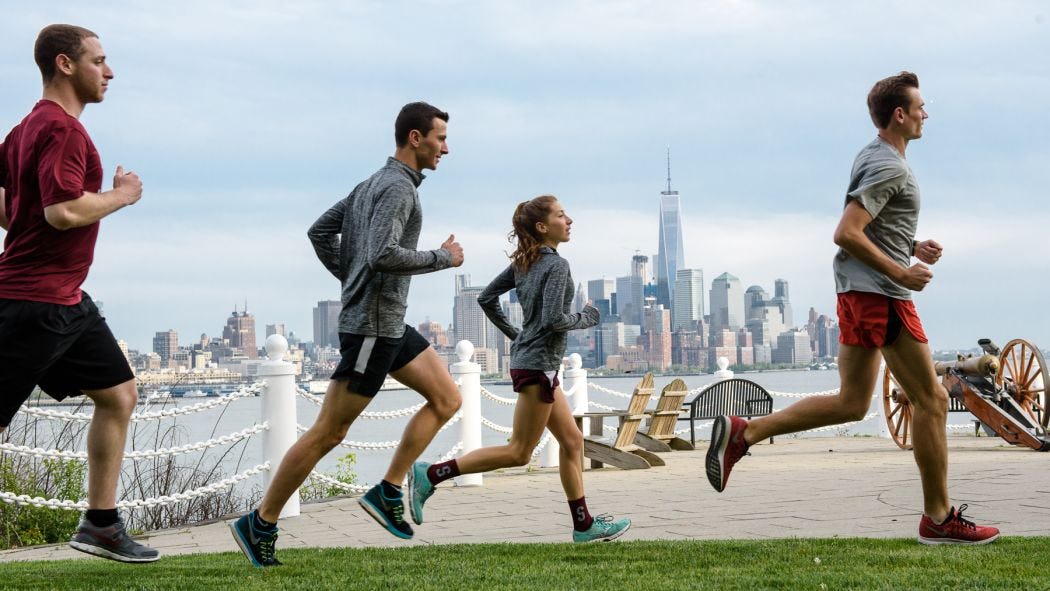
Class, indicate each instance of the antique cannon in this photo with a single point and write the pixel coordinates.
(1005, 390)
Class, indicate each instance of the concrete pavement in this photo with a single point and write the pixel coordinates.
(813, 488)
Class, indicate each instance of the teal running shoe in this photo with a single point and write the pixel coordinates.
(257, 544)
(389, 513)
(419, 490)
(603, 529)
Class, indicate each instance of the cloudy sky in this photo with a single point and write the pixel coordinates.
(246, 120)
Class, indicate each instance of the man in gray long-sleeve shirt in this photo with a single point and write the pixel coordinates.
(368, 241)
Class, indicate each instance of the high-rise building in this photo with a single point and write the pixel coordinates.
(468, 320)
(600, 289)
(640, 267)
(727, 303)
(434, 333)
(164, 345)
(279, 328)
(240, 332)
(629, 302)
(672, 249)
(783, 301)
(688, 299)
(326, 323)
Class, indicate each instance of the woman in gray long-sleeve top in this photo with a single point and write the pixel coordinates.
(545, 290)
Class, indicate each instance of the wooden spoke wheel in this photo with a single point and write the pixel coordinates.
(1024, 371)
(897, 410)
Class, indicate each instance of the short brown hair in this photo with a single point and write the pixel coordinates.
(887, 95)
(419, 116)
(56, 40)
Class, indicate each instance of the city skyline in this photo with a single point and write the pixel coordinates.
(576, 98)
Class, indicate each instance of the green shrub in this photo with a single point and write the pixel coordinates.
(25, 525)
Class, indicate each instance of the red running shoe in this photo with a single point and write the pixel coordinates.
(726, 449)
(955, 530)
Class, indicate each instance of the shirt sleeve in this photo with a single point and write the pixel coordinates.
(877, 188)
(389, 216)
(489, 302)
(63, 163)
(3, 166)
(554, 317)
(324, 235)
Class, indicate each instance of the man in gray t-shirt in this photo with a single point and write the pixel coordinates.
(874, 279)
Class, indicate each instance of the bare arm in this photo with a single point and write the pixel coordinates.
(851, 237)
(92, 207)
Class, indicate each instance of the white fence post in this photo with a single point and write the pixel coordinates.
(549, 456)
(468, 375)
(576, 382)
(278, 409)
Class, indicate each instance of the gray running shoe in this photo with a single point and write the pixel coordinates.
(111, 542)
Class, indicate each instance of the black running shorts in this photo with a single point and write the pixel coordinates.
(366, 360)
(63, 349)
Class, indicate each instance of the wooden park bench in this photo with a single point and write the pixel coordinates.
(735, 396)
(660, 435)
(621, 451)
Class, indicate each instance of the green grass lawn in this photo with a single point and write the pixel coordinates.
(1010, 563)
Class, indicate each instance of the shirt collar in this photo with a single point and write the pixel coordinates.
(416, 176)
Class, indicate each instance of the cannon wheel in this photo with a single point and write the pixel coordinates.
(1022, 363)
(897, 410)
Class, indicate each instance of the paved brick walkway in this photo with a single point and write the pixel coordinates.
(834, 487)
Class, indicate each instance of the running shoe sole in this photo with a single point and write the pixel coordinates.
(938, 541)
(103, 553)
(716, 452)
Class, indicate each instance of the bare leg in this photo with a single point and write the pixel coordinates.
(563, 427)
(338, 411)
(530, 417)
(105, 441)
(427, 375)
(912, 366)
(858, 372)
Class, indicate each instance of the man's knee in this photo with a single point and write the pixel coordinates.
(448, 404)
(934, 400)
(520, 455)
(121, 399)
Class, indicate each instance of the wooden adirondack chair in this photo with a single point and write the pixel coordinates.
(660, 435)
(621, 451)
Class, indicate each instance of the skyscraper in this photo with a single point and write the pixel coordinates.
(672, 251)
(240, 331)
(727, 303)
(688, 299)
(326, 323)
(164, 345)
(468, 320)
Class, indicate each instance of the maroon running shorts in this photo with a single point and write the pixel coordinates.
(528, 377)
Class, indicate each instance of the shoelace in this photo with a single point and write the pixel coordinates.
(267, 548)
(959, 517)
(399, 513)
(603, 521)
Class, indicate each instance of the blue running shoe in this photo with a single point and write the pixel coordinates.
(603, 529)
(257, 544)
(390, 513)
(419, 490)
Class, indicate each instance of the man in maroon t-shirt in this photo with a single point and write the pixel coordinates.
(51, 333)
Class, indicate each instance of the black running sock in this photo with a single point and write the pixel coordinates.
(390, 491)
(438, 473)
(261, 523)
(102, 517)
(581, 517)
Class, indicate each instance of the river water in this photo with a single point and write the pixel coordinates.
(370, 465)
